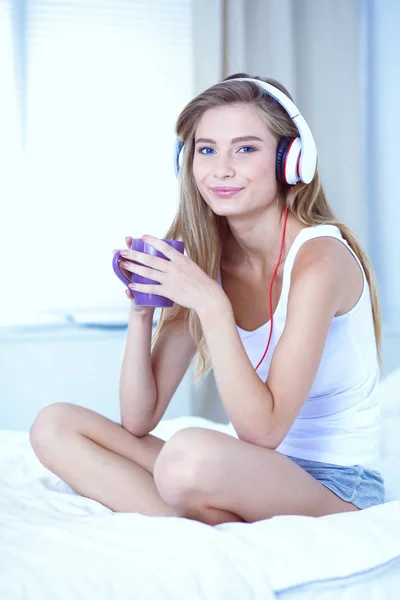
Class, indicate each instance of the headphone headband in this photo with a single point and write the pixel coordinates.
(307, 152)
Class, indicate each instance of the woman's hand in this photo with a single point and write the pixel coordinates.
(140, 310)
(181, 280)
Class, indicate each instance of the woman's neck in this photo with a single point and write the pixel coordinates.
(257, 244)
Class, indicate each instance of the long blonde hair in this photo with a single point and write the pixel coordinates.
(204, 233)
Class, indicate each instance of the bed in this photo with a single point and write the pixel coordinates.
(56, 545)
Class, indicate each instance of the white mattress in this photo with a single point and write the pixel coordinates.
(56, 545)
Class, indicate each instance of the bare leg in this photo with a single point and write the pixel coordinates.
(99, 459)
(213, 477)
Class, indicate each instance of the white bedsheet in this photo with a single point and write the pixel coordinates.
(56, 545)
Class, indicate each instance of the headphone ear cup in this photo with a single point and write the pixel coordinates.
(287, 160)
(281, 153)
(178, 155)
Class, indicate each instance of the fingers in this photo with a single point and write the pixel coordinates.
(128, 292)
(160, 245)
(147, 260)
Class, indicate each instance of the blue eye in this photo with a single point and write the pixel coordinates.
(202, 150)
(207, 150)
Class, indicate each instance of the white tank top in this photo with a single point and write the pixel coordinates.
(340, 420)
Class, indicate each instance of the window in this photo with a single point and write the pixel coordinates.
(89, 95)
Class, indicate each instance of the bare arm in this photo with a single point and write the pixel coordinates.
(148, 379)
(262, 414)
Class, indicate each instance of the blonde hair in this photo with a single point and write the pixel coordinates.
(203, 232)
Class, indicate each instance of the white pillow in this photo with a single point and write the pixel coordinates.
(389, 396)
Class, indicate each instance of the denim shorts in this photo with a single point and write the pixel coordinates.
(359, 485)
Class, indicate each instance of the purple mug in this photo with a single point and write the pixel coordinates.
(141, 298)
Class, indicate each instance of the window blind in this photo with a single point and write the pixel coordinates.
(92, 90)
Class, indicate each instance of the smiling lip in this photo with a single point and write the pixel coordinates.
(226, 192)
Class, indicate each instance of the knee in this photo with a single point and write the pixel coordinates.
(180, 467)
(45, 431)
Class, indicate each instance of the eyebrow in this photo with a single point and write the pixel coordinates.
(244, 138)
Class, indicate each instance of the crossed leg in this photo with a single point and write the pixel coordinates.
(213, 477)
(198, 473)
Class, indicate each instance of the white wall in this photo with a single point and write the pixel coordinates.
(82, 366)
(66, 364)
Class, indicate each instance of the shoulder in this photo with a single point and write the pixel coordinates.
(320, 254)
(320, 269)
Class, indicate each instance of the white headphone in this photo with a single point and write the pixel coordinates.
(296, 158)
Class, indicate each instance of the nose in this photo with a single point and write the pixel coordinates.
(223, 167)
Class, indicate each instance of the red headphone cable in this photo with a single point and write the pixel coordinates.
(272, 283)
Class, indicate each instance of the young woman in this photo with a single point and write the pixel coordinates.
(254, 219)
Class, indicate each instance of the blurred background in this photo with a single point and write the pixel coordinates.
(89, 94)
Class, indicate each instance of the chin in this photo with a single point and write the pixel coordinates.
(225, 207)
(228, 211)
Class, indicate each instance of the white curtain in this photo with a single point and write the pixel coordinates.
(382, 156)
(89, 94)
(313, 48)
(339, 60)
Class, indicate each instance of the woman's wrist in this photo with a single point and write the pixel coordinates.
(141, 312)
(214, 307)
